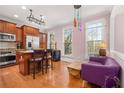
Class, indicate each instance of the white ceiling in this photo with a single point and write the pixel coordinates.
(55, 14)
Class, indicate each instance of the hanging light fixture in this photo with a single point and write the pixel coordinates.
(33, 19)
(77, 6)
(77, 18)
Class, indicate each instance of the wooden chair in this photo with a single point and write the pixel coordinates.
(48, 59)
(37, 58)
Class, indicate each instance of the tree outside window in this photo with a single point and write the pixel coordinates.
(68, 41)
(51, 41)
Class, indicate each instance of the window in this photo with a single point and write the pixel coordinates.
(94, 37)
(68, 41)
(51, 41)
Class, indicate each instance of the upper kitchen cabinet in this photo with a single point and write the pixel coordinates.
(1, 26)
(10, 28)
(43, 40)
(27, 30)
(18, 34)
(7, 27)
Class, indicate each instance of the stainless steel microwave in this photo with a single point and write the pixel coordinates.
(7, 37)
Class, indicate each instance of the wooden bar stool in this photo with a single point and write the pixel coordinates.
(37, 58)
(48, 59)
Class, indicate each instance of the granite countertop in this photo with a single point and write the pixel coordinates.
(26, 51)
(20, 49)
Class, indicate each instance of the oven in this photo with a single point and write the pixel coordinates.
(7, 57)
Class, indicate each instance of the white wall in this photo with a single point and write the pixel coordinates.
(78, 41)
(117, 10)
(117, 36)
(78, 47)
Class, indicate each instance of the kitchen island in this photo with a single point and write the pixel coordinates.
(22, 58)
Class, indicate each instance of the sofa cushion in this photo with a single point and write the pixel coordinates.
(111, 62)
(93, 62)
(98, 59)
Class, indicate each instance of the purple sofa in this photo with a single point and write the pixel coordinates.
(102, 71)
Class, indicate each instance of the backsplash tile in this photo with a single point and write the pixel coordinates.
(6, 45)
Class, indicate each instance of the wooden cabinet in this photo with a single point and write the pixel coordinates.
(31, 31)
(7, 27)
(21, 33)
(17, 57)
(27, 30)
(1, 26)
(10, 28)
(18, 34)
(23, 61)
(43, 40)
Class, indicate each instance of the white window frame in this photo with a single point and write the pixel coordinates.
(49, 38)
(86, 33)
(64, 41)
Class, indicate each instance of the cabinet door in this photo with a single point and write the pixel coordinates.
(10, 28)
(29, 31)
(43, 40)
(18, 34)
(1, 26)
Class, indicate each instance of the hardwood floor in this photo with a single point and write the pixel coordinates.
(57, 78)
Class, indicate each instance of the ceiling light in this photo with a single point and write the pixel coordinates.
(77, 17)
(24, 8)
(16, 16)
(33, 19)
(77, 6)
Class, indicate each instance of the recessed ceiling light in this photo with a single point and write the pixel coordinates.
(24, 8)
(16, 16)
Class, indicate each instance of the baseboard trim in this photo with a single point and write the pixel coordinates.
(70, 59)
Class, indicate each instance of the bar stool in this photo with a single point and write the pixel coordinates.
(48, 58)
(37, 58)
